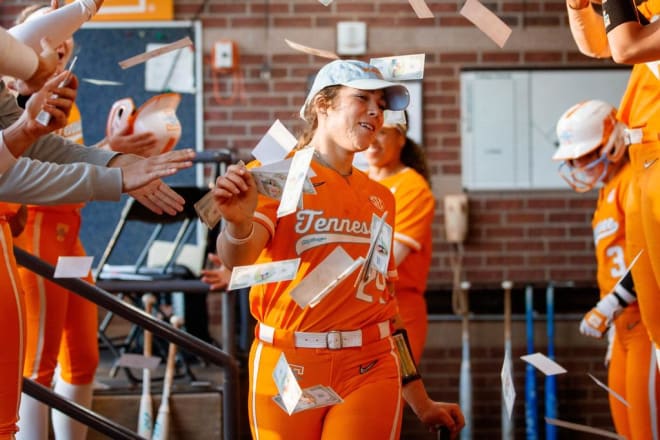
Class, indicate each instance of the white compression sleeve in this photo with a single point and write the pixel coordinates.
(18, 60)
(57, 25)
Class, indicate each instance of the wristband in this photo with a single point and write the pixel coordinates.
(409, 370)
(625, 297)
(238, 241)
(616, 12)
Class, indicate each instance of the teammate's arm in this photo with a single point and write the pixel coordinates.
(23, 132)
(141, 178)
(401, 251)
(631, 39)
(597, 320)
(433, 414)
(20, 61)
(587, 28)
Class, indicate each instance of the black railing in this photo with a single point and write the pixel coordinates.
(230, 393)
(80, 413)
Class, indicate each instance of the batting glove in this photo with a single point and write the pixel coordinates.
(596, 321)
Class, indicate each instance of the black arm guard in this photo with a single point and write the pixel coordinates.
(408, 368)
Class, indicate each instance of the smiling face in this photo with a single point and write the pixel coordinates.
(385, 151)
(353, 118)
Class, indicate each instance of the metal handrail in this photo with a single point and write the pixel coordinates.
(230, 394)
(80, 413)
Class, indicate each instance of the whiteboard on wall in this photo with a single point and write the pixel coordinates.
(508, 120)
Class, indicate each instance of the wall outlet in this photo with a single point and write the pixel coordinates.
(223, 55)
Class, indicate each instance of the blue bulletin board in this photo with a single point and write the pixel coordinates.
(100, 47)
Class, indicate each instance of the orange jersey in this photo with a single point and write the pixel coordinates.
(414, 216)
(608, 225)
(8, 209)
(609, 229)
(339, 214)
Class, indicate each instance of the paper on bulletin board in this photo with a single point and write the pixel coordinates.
(180, 63)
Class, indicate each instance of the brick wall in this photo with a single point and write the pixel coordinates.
(528, 236)
(523, 236)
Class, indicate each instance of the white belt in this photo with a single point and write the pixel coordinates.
(633, 135)
(333, 340)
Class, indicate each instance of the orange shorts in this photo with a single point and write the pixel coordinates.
(633, 374)
(412, 309)
(366, 378)
(643, 231)
(61, 326)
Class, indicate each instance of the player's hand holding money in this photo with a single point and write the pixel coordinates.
(55, 99)
(235, 194)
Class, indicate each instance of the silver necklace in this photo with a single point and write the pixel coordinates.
(323, 162)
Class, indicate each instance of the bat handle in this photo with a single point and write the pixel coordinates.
(444, 433)
(149, 300)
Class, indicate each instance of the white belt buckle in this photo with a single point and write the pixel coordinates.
(634, 135)
(333, 339)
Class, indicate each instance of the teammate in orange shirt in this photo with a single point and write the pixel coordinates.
(84, 174)
(593, 149)
(351, 340)
(640, 111)
(61, 326)
(397, 162)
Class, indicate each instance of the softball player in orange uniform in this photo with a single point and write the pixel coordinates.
(398, 163)
(593, 148)
(345, 341)
(61, 326)
(640, 110)
(86, 174)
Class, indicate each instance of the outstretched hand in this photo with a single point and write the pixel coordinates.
(158, 197)
(142, 144)
(217, 277)
(139, 171)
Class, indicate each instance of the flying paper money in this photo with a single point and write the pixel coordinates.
(275, 144)
(246, 276)
(421, 9)
(400, 67)
(311, 51)
(487, 22)
(583, 428)
(141, 58)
